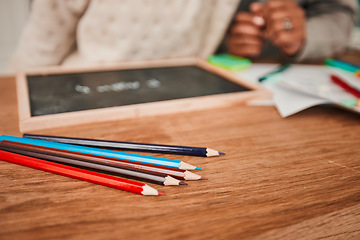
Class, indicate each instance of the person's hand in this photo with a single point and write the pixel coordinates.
(246, 36)
(285, 25)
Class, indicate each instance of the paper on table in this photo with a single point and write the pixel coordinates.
(290, 101)
(315, 80)
(300, 87)
(287, 101)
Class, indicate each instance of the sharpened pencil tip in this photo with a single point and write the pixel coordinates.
(161, 193)
(182, 183)
(197, 168)
(221, 153)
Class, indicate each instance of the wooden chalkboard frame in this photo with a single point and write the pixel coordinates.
(33, 123)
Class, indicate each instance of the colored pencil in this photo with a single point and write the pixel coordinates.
(166, 162)
(81, 174)
(156, 178)
(130, 146)
(177, 173)
(341, 83)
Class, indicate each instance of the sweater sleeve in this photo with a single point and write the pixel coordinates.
(328, 29)
(49, 33)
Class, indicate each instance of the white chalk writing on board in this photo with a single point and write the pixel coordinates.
(118, 86)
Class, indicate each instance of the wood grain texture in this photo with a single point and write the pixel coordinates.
(293, 178)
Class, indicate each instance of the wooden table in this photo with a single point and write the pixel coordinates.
(293, 178)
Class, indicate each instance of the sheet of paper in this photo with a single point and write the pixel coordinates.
(316, 81)
(299, 87)
(289, 101)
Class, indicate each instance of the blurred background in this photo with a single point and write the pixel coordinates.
(13, 16)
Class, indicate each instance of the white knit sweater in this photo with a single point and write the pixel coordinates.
(80, 32)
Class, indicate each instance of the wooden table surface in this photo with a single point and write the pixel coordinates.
(293, 178)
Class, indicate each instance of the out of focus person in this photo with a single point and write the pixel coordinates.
(294, 30)
(83, 32)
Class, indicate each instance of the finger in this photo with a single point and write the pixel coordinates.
(276, 19)
(257, 10)
(277, 27)
(250, 40)
(296, 16)
(289, 42)
(285, 39)
(292, 50)
(245, 29)
(245, 47)
(256, 7)
(245, 51)
(274, 6)
(244, 17)
(296, 13)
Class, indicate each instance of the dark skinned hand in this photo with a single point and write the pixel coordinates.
(247, 34)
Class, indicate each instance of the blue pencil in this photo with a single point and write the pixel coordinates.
(166, 162)
(130, 146)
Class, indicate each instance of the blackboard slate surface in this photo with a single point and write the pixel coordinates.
(62, 93)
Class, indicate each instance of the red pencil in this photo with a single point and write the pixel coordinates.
(338, 81)
(81, 174)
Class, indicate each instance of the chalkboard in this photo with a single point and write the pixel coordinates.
(62, 93)
(60, 97)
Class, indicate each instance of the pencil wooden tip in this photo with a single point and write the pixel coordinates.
(211, 152)
(161, 193)
(182, 183)
(186, 166)
(147, 190)
(191, 176)
(170, 181)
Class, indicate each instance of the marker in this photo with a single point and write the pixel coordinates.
(338, 81)
(276, 71)
(341, 65)
(229, 62)
(347, 62)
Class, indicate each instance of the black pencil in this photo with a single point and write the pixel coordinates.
(130, 146)
(177, 173)
(160, 179)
